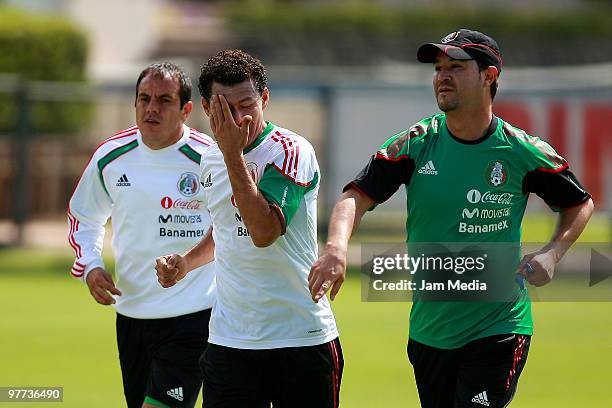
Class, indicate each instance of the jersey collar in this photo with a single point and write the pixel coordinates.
(259, 139)
(492, 128)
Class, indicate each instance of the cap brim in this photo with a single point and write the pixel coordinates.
(428, 52)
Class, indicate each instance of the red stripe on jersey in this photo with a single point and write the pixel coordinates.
(292, 152)
(199, 134)
(75, 246)
(79, 264)
(199, 140)
(121, 136)
(398, 158)
(289, 177)
(76, 274)
(282, 141)
(78, 269)
(74, 226)
(297, 155)
(556, 170)
(290, 165)
(287, 153)
(130, 129)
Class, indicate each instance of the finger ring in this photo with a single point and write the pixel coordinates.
(325, 285)
(529, 268)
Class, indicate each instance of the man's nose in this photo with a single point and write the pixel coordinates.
(238, 116)
(444, 74)
(153, 106)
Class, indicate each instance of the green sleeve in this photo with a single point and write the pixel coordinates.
(284, 192)
(537, 154)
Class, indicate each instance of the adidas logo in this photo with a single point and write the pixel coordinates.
(177, 393)
(208, 182)
(123, 181)
(481, 399)
(428, 169)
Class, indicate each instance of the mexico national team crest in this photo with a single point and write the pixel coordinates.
(496, 173)
(188, 184)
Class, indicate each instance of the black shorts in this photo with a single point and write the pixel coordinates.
(159, 358)
(291, 377)
(483, 373)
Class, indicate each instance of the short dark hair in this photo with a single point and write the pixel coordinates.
(231, 67)
(163, 69)
(481, 67)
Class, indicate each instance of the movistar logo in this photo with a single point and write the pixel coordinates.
(470, 214)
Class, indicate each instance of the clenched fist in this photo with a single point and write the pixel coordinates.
(170, 269)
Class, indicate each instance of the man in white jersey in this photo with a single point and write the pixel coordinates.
(145, 179)
(269, 343)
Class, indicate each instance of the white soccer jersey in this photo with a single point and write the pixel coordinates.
(263, 299)
(154, 200)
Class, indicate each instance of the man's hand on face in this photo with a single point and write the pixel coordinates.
(231, 138)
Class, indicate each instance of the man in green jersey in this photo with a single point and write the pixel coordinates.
(468, 175)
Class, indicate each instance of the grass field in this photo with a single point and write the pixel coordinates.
(52, 333)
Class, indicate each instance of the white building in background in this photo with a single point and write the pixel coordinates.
(126, 35)
(122, 33)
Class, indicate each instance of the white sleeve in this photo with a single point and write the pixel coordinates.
(88, 211)
(202, 180)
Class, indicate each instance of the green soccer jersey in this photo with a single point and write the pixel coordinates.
(469, 193)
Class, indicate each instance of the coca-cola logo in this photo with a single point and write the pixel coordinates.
(168, 202)
(474, 196)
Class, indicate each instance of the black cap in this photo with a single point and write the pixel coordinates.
(464, 45)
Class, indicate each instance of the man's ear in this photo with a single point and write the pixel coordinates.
(206, 106)
(265, 97)
(187, 108)
(491, 74)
